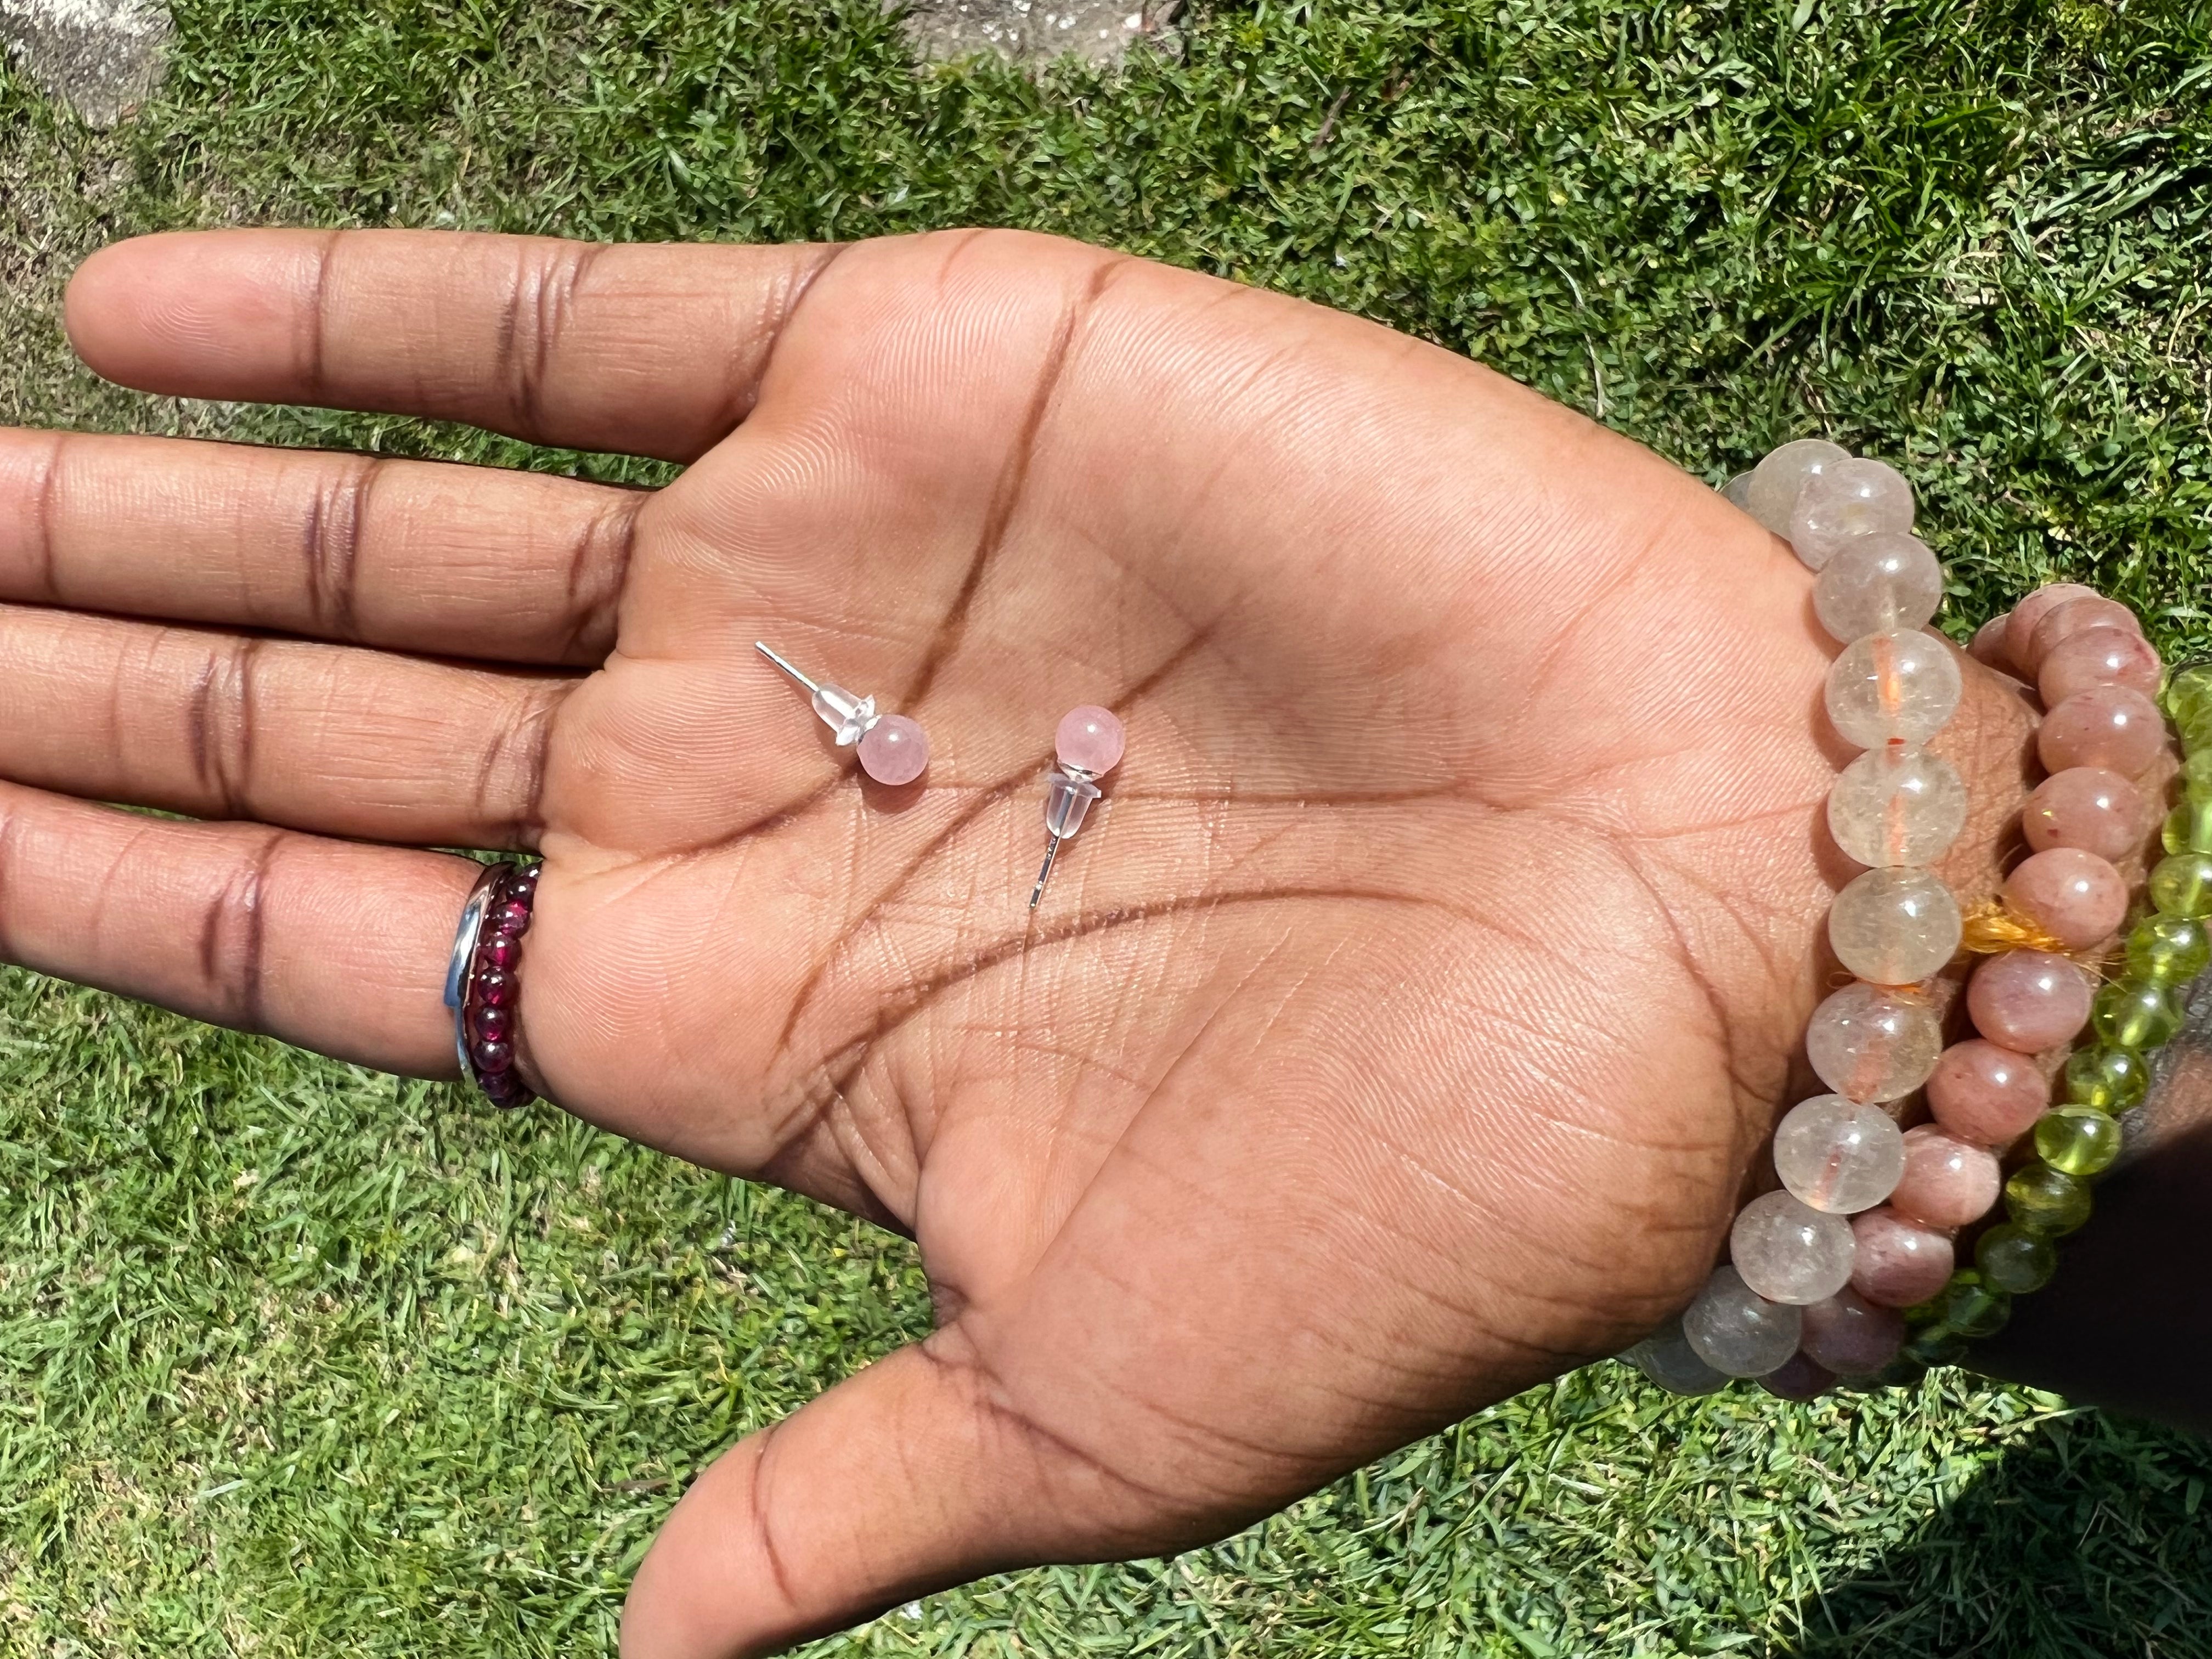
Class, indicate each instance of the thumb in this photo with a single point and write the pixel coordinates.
(911, 1476)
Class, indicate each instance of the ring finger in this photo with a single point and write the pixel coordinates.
(334, 946)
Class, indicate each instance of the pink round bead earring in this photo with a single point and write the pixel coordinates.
(893, 748)
(1089, 745)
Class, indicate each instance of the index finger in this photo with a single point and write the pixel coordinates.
(644, 350)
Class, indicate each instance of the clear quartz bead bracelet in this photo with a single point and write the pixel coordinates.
(1850, 1269)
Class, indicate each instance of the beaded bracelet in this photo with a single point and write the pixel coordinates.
(481, 986)
(1825, 1276)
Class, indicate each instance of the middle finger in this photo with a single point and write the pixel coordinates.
(417, 555)
(330, 739)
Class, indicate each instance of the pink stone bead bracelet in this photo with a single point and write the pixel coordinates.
(1864, 1225)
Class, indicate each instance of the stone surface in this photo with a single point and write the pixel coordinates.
(101, 58)
(1897, 1263)
(1947, 1182)
(1036, 32)
(1867, 1043)
(1790, 1252)
(1834, 1155)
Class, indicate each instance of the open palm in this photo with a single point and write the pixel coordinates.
(1395, 1036)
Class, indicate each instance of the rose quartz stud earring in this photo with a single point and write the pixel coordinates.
(891, 747)
(1088, 744)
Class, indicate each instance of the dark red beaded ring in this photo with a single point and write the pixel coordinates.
(481, 984)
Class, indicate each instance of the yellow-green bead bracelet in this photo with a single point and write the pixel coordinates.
(2134, 1013)
(2169, 950)
(1972, 1308)
(2078, 1140)
(2111, 1080)
(2042, 1199)
(2196, 775)
(2181, 885)
(2188, 827)
(2015, 1260)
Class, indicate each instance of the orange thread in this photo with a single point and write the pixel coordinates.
(1990, 927)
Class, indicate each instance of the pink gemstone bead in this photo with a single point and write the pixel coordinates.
(1947, 1182)
(1871, 1043)
(1798, 1378)
(2085, 807)
(2076, 616)
(1089, 737)
(2028, 1001)
(2032, 611)
(1851, 1336)
(894, 750)
(1986, 1093)
(2078, 897)
(1898, 1262)
(1988, 646)
(2113, 726)
(2099, 656)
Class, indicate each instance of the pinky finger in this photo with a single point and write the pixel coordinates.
(334, 946)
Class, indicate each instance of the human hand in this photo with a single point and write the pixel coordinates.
(1395, 1036)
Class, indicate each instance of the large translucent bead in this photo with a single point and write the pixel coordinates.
(1788, 1251)
(1737, 1331)
(1898, 804)
(1849, 499)
(1877, 585)
(1667, 1358)
(1836, 1155)
(1896, 687)
(1776, 480)
(1900, 1261)
(1894, 926)
(1867, 1043)
(1798, 1378)
(1850, 1335)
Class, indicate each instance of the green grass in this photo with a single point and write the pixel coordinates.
(296, 1361)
